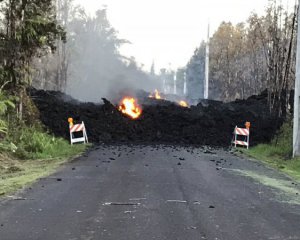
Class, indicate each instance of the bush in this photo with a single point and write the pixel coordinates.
(283, 142)
(34, 143)
(29, 142)
(5, 104)
(280, 148)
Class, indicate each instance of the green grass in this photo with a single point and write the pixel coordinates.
(284, 191)
(278, 153)
(35, 143)
(16, 174)
(34, 154)
(27, 151)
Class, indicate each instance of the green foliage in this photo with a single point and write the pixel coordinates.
(281, 146)
(246, 58)
(3, 126)
(15, 174)
(29, 29)
(196, 73)
(5, 104)
(34, 143)
(29, 142)
(38, 154)
(6, 146)
(283, 142)
(278, 153)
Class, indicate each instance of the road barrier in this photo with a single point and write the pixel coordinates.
(245, 132)
(74, 128)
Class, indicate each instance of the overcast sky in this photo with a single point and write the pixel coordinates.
(168, 31)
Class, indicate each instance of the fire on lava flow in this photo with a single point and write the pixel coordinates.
(129, 107)
(156, 95)
(183, 104)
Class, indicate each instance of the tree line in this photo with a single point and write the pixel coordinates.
(28, 29)
(89, 64)
(56, 45)
(249, 57)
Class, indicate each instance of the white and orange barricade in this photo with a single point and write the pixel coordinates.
(245, 132)
(74, 128)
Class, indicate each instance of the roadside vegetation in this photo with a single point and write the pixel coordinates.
(278, 153)
(29, 30)
(27, 151)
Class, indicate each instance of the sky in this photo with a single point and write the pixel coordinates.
(167, 32)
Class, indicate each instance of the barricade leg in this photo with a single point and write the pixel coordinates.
(86, 137)
(71, 138)
(85, 134)
(248, 141)
(235, 137)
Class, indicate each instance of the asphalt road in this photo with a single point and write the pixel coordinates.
(155, 192)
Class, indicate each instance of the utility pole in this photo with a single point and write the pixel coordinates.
(206, 66)
(164, 85)
(175, 85)
(296, 130)
(185, 84)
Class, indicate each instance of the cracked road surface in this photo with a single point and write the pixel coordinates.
(155, 192)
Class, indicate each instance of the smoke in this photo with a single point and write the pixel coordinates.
(92, 85)
(96, 69)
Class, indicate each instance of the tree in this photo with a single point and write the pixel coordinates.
(247, 58)
(152, 70)
(278, 39)
(30, 29)
(51, 71)
(96, 67)
(195, 73)
(180, 78)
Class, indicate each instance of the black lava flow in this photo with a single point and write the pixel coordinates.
(209, 123)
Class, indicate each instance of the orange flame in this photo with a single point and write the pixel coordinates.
(183, 104)
(129, 107)
(156, 95)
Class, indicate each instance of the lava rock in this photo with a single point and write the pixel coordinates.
(210, 123)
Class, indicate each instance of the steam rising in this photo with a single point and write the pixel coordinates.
(96, 68)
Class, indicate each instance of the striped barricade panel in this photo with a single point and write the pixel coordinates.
(242, 143)
(76, 128)
(242, 131)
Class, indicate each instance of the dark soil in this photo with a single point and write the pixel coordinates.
(208, 123)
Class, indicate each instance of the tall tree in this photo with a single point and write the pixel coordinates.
(51, 71)
(248, 58)
(195, 73)
(30, 29)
